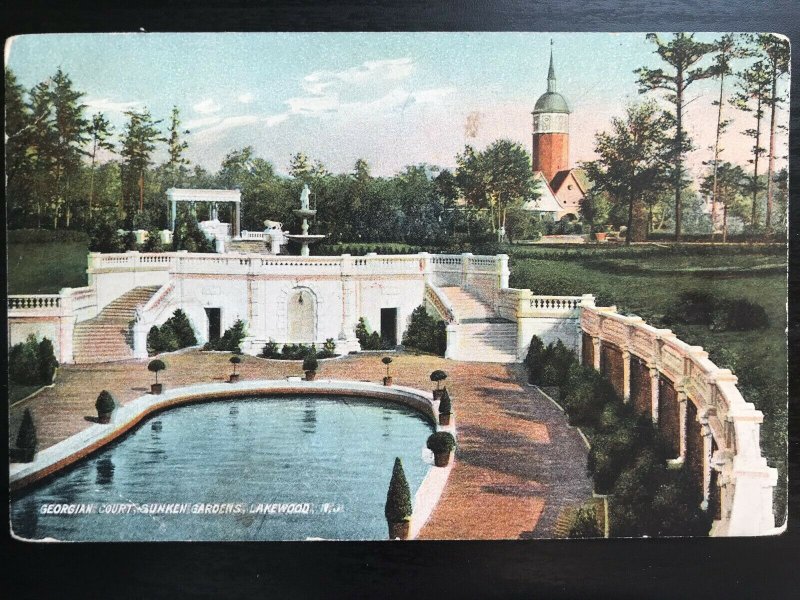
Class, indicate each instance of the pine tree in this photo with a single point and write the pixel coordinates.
(100, 131)
(727, 49)
(138, 143)
(752, 97)
(682, 52)
(176, 163)
(776, 60)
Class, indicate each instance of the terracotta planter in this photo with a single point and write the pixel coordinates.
(156, 388)
(399, 530)
(310, 375)
(387, 381)
(444, 419)
(234, 378)
(104, 418)
(600, 236)
(442, 459)
(437, 394)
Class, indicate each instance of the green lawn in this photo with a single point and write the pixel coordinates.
(45, 268)
(647, 280)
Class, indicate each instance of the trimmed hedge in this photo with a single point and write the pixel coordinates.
(174, 334)
(32, 362)
(626, 458)
(426, 333)
(230, 340)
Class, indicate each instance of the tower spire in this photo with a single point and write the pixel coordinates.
(551, 73)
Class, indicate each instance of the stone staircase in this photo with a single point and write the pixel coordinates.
(482, 335)
(108, 337)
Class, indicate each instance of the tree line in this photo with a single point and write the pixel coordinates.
(69, 170)
(641, 160)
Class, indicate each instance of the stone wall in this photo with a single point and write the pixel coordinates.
(669, 419)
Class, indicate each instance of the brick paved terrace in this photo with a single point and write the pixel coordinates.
(518, 464)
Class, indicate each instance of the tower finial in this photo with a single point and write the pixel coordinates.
(551, 73)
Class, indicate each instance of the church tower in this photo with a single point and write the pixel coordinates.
(551, 129)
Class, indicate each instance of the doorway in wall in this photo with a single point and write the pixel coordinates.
(214, 322)
(389, 325)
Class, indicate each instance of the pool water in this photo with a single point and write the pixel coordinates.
(247, 469)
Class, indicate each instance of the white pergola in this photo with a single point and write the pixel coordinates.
(175, 195)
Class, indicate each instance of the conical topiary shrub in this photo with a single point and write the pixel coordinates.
(311, 364)
(26, 438)
(105, 405)
(398, 503)
(387, 360)
(445, 408)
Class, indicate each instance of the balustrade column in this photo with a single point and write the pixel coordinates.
(705, 430)
(682, 424)
(596, 353)
(654, 397)
(626, 376)
(465, 258)
(503, 271)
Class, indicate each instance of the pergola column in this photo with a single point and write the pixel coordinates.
(237, 225)
(173, 214)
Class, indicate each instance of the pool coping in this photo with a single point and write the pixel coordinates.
(78, 446)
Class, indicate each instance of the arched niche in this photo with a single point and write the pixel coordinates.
(301, 315)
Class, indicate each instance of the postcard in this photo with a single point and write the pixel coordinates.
(396, 286)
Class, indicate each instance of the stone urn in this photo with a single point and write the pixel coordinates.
(600, 236)
(310, 375)
(156, 388)
(399, 531)
(387, 381)
(444, 419)
(234, 377)
(442, 459)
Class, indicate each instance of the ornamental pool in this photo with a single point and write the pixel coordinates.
(283, 468)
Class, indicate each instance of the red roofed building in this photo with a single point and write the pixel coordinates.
(565, 185)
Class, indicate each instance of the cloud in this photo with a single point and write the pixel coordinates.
(201, 122)
(108, 105)
(388, 69)
(227, 124)
(245, 98)
(273, 120)
(206, 106)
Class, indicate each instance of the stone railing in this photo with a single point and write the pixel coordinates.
(440, 302)
(484, 275)
(39, 304)
(520, 303)
(730, 426)
(253, 235)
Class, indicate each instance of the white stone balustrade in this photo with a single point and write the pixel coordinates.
(746, 481)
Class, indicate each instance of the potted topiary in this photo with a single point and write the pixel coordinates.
(105, 405)
(398, 504)
(235, 360)
(387, 360)
(154, 367)
(438, 376)
(445, 408)
(310, 365)
(26, 439)
(442, 444)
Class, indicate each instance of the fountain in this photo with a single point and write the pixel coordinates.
(305, 212)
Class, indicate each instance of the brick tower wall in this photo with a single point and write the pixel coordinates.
(550, 153)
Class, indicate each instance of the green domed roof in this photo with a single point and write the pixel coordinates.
(551, 102)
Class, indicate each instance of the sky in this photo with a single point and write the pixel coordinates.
(393, 99)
